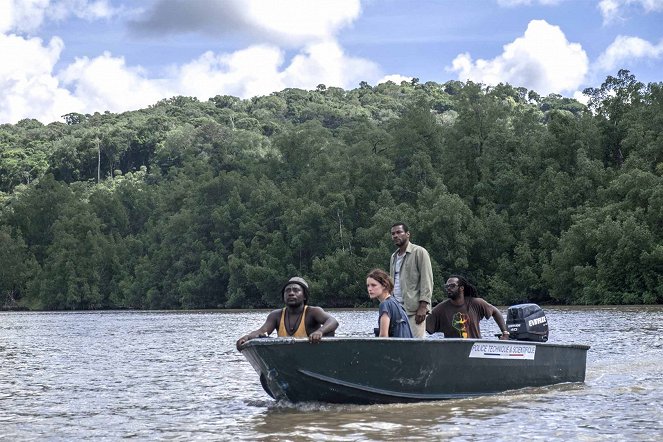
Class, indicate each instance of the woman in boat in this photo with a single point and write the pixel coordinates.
(392, 319)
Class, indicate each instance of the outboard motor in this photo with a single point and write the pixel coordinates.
(527, 322)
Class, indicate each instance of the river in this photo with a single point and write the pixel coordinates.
(177, 376)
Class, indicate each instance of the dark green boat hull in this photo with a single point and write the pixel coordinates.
(383, 370)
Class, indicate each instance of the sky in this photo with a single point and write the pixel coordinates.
(87, 56)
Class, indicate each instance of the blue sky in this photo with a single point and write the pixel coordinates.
(61, 56)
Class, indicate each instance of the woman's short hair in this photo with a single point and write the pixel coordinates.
(383, 278)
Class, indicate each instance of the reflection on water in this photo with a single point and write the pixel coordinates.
(167, 375)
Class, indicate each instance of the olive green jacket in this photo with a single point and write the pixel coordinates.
(416, 277)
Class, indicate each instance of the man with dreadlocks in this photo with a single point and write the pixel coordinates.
(297, 319)
(459, 316)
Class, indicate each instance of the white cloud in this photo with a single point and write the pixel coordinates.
(542, 60)
(291, 22)
(624, 49)
(106, 83)
(28, 87)
(303, 20)
(613, 10)
(239, 73)
(394, 78)
(259, 70)
(326, 63)
(580, 97)
(85, 9)
(24, 16)
(609, 10)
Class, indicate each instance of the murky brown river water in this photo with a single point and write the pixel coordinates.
(178, 376)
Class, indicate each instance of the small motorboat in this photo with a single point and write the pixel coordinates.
(389, 370)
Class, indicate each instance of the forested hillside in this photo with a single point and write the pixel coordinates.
(191, 204)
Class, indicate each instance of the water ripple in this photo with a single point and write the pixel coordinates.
(178, 376)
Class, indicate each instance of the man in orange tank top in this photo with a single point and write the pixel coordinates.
(297, 319)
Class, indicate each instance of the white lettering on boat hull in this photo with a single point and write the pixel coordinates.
(502, 351)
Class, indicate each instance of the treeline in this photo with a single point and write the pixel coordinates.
(191, 204)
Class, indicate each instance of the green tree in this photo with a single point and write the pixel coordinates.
(17, 268)
(80, 263)
(612, 102)
(612, 253)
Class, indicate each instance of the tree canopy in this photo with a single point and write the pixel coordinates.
(191, 204)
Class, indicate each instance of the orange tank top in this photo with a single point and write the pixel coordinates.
(301, 330)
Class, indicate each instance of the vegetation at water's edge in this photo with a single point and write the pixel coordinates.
(191, 204)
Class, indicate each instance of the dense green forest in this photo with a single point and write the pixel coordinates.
(190, 204)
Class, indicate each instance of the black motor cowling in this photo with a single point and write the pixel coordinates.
(527, 322)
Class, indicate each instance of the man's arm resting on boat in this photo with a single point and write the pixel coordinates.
(499, 319)
(267, 328)
(329, 324)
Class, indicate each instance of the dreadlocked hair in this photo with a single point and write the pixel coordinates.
(469, 289)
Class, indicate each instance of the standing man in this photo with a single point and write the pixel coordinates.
(297, 319)
(412, 273)
(459, 316)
